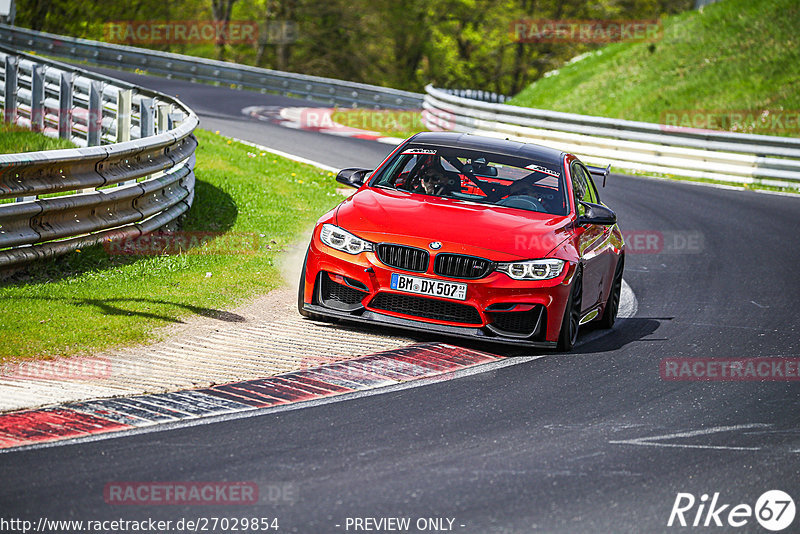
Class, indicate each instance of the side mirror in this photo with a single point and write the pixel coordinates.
(354, 177)
(597, 214)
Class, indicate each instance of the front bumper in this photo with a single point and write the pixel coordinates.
(476, 334)
(501, 310)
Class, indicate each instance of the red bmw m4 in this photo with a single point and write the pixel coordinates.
(471, 237)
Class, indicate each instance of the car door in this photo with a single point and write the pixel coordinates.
(591, 238)
(606, 248)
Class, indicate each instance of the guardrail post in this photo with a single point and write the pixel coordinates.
(65, 106)
(94, 127)
(37, 98)
(94, 119)
(10, 99)
(37, 102)
(163, 118)
(147, 124)
(124, 98)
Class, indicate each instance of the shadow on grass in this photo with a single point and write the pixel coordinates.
(112, 306)
(213, 210)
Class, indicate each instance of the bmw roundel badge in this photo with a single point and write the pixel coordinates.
(435, 245)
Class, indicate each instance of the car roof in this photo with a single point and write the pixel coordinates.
(530, 151)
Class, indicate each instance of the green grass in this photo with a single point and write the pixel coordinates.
(735, 55)
(15, 139)
(92, 299)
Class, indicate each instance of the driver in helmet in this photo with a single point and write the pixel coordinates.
(432, 180)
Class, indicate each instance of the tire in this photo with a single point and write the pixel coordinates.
(301, 295)
(572, 315)
(612, 305)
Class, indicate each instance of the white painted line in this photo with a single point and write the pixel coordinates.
(652, 441)
(390, 140)
(286, 155)
(628, 305)
(712, 185)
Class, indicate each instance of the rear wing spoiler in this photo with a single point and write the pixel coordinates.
(599, 172)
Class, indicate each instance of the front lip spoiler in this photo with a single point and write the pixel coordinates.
(475, 334)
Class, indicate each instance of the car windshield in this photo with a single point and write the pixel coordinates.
(473, 176)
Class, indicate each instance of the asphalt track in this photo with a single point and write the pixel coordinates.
(592, 441)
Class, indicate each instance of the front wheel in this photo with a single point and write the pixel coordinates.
(572, 315)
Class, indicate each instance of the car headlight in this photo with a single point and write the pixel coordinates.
(533, 269)
(340, 239)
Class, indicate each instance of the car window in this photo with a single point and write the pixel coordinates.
(592, 186)
(582, 186)
(472, 176)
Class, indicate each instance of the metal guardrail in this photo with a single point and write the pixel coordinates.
(132, 175)
(478, 94)
(629, 145)
(325, 90)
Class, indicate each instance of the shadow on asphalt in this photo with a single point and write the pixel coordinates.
(626, 331)
(591, 340)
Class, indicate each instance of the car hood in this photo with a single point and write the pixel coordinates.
(386, 215)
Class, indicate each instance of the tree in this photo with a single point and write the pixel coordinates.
(221, 10)
(396, 43)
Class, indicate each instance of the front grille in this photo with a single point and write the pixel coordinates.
(440, 310)
(339, 296)
(517, 322)
(402, 257)
(460, 266)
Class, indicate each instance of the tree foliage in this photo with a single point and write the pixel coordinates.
(397, 43)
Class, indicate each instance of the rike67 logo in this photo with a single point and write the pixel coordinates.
(774, 511)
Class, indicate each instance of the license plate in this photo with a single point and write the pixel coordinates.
(425, 286)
